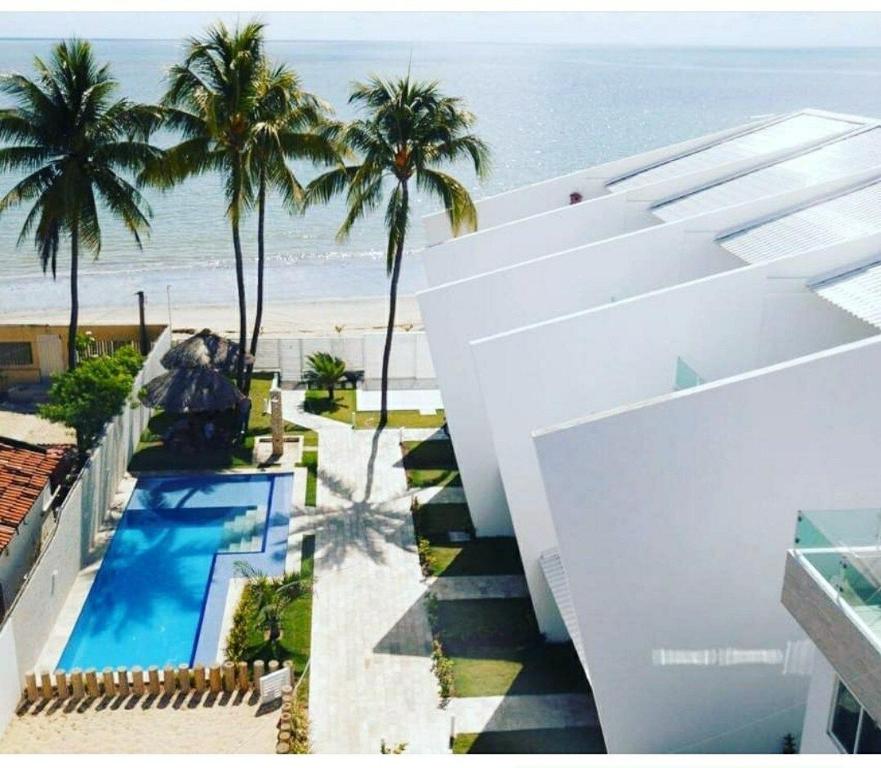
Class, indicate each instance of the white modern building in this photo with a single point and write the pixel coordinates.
(647, 405)
(467, 309)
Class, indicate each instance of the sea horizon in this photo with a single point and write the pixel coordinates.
(545, 110)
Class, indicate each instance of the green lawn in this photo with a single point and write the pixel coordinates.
(479, 557)
(152, 455)
(496, 650)
(343, 409)
(429, 478)
(296, 640)
(432, 520)
(310, 461)
(429, 454)
(540, 741)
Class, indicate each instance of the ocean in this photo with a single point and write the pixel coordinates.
(544, 110)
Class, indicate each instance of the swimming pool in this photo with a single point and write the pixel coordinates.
(159, 595)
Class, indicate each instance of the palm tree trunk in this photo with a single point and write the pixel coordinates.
(393, 303)
(74, 298)
(258, 311)
(243, 317)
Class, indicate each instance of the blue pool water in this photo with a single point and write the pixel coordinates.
(167, 569)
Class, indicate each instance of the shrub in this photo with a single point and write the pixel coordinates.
(87, 397)
(790, 747)
(299, 728)
(426, 557)
(442, 666)
(398, 749)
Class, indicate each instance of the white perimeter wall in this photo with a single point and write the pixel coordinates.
(410, 357)
(554, 193)
(814, 736)
(674, 519)
(626, 352)
(28, 624)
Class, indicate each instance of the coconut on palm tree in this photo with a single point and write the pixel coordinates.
(289, 124)
(210, 102)
(76, 143)
(410, 130)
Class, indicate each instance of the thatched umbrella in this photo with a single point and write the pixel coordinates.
(205, 350)
(191, 390)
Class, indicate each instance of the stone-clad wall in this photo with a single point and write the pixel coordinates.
(856, 660)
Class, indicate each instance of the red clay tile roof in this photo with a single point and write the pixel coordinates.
(24, 472)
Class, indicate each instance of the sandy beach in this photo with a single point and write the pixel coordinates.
(319, 317)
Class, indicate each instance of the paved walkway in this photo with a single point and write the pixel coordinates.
(440, 494)
(477, 587)
(514, 713)
(409, 434)
(371, 675)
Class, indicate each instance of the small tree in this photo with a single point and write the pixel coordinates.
(88, 396)
(325, 370)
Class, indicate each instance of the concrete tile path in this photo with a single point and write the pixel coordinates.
(371, 675)
(440, 494)
(477, 587)
(514, 713)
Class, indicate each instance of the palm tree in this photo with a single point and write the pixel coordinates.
(75, 143)
(290, 124)
(409, 129)
(325, 370)
(210, 101)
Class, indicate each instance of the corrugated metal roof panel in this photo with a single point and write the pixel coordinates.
(847, 217)
(857, 292)
(783, 134)
(846, 155)
(555, 575)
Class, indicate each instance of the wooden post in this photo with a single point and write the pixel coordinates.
(46, 690)
(183, 678)
(214, 678)
(138, 681)
(30, 687)
(244, 683)
(169, 679)
(153, 676)
(76, 684)
(92, 683)
(61, 684)
(273, 666)
(109, 684)
(282, 748)
(199, 678)
(229, 676)
(122, 681)
(258, 673)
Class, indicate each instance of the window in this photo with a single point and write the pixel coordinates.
(851, 726)
(15, 353)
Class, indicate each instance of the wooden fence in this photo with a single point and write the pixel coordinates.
(229, 677)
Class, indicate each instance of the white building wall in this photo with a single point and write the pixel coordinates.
(815, 738)
(674, 519)
(591, 182)
(603, 218)
(19, 555)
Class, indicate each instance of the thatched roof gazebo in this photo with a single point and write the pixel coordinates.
(191, 390)
(205, 349)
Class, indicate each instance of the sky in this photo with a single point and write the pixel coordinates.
(598, 28)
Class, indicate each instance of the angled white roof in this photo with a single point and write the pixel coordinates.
(857, 292)
(789, 132)
(840, 157)
(555, 575)
(846, 217)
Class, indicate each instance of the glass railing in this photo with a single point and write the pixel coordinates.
(841, 549)
(686, 377)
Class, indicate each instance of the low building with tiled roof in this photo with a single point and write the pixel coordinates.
(29, 475)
